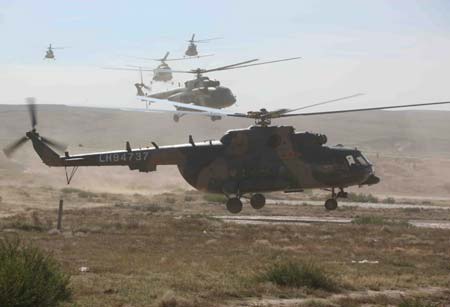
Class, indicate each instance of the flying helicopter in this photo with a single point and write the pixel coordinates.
(203, 91)
(192, 47)
(244, 162)
(163, 72)
(141, 85)
(49, 54)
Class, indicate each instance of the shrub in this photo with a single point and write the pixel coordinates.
(215, 198)
(378, 220)
(416, 303)
(28, 277)
(298, 274)
(80, 193)
(389, 200)
(362, 198)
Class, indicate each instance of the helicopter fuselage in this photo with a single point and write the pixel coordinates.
(213, 97)
(49, 54)
(254, 160)
(162, 73)
(191, 50)
(264, 159)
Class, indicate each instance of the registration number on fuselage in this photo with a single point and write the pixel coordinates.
(124, 156)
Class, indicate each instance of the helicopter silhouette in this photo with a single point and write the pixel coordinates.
(244, 162)
(49, 54)
(163, 72)
(191, 50)
(202, 91)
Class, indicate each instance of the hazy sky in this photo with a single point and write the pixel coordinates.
(394, 51)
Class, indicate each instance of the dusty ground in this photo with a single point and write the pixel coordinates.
(149, 240)
(149, 250)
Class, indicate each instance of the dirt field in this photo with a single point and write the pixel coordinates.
(154, 250)
(150, 240)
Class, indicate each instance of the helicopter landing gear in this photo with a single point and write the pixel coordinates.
(234, 205)
(331, 203)
(257, 201)
(214, 118)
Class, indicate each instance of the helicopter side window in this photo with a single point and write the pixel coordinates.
(350, 160)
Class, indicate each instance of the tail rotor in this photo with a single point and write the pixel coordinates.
(13, 147)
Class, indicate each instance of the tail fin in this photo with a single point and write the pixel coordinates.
(47, 155)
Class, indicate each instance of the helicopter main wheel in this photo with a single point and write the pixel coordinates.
(331, 204)
(214, 118)
(257, 201)
(234, 205)
(176, 118)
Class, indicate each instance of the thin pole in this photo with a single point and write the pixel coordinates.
(60, 214)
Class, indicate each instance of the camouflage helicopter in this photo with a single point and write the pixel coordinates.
(203, 91)
(244, 162)
(163, 72)
(49, 54)
(192, 47)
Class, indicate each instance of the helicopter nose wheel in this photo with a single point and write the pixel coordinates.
(331, 204)
(257, 201)
(234, 205)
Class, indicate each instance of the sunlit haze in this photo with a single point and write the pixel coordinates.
(396, 52)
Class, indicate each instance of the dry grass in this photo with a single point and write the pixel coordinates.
(137, 256)
(166, 250)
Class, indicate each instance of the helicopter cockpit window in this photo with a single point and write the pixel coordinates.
(362, 160)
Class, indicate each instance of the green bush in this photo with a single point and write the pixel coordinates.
(29, 277)
(361, 198)
(297, 275)
(389, 200)
(215, 198)
(416, 303)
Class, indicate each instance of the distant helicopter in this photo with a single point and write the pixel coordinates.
(244, 162)
(192, 47)
(203, 91)
(140, 86)
(163, 72)
(49, 54)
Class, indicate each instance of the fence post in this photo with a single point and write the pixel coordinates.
(60, 214)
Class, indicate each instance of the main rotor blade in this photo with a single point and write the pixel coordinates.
(57, 145)
(262, 63)
(32, 110)
(323, 102)
(206, 40)
(189, 58)
(367, 109)
(10, 149)
(128, 69)
(167, 59)
(188, 106)
(229, 66)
